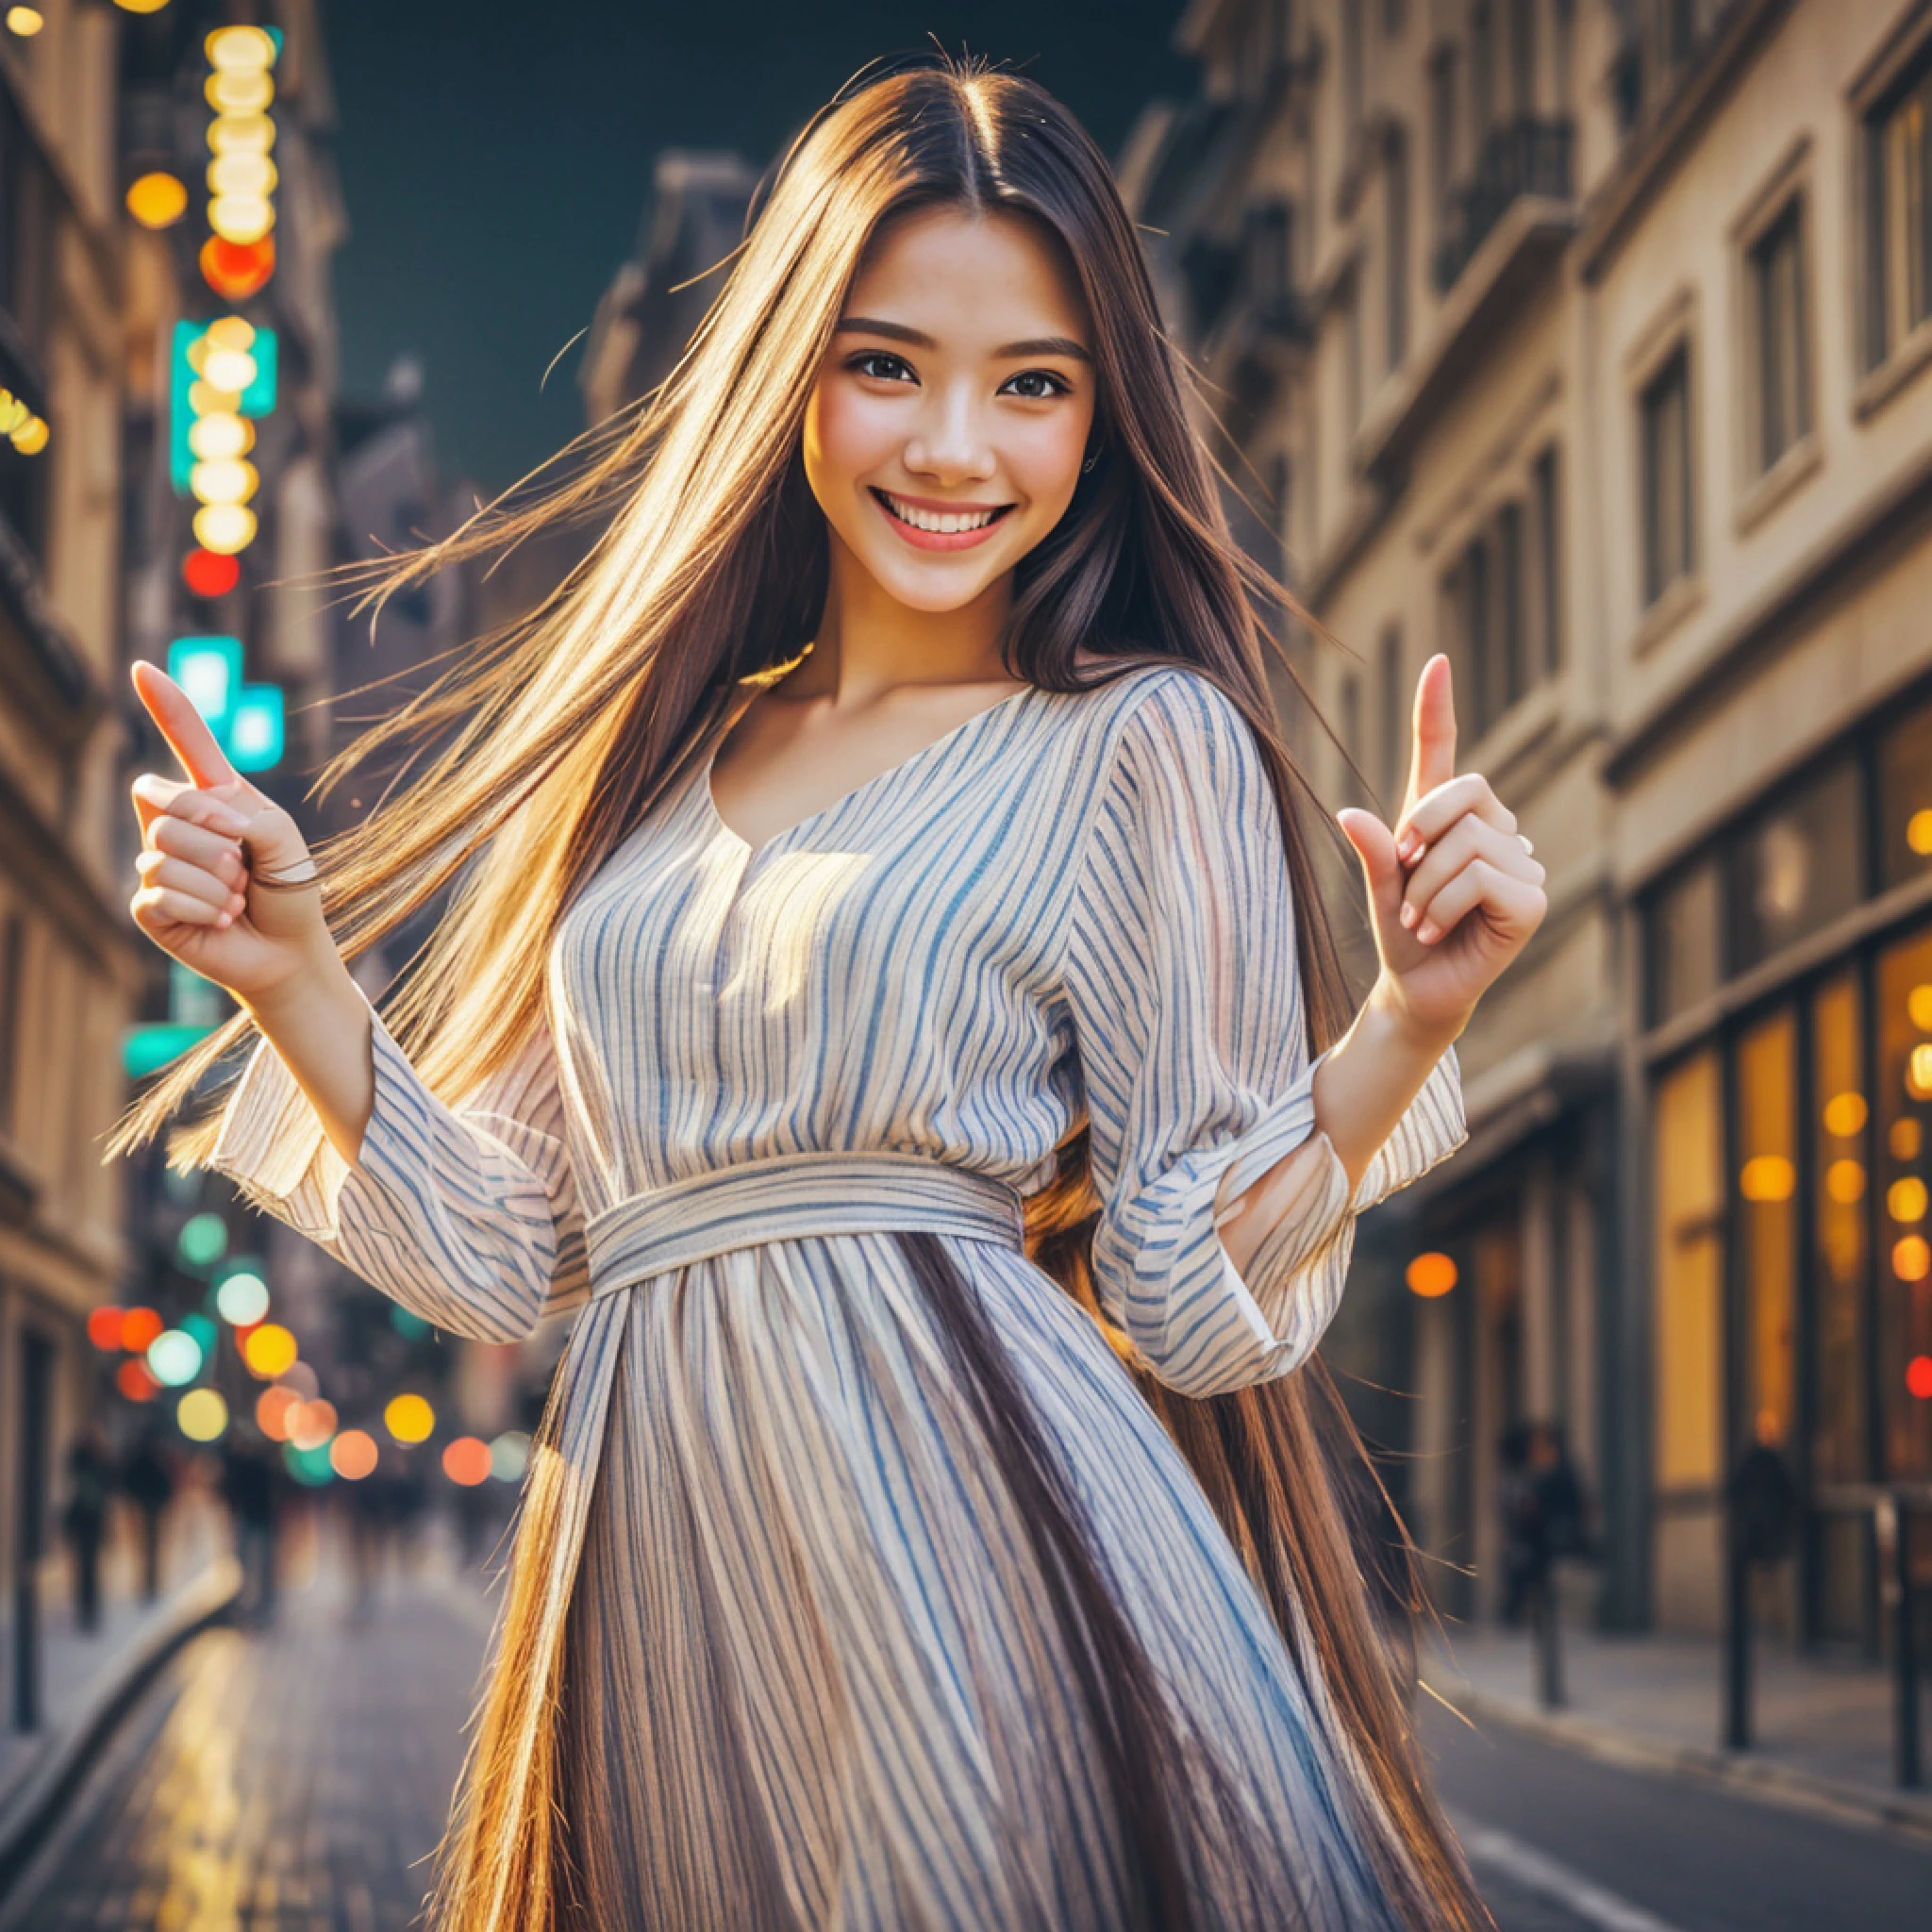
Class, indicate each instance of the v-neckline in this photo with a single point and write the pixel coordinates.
(753, 853)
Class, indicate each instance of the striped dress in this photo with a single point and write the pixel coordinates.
(805, 1674)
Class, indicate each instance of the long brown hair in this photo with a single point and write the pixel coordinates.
(559, 730)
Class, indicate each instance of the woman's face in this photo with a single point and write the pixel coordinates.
(949, 420)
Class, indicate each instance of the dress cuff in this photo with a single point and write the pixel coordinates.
(272, 1144)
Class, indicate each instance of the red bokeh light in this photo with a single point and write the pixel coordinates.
(208, 575)
(1919, 1376)
(104, 1329)
(138, 1327)
(237, 269)
(134, 1382)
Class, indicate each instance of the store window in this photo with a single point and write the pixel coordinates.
(1798, 866)
(1689, 1276)
(1767, 1186)
(1840, 1183)
(1904, 1136)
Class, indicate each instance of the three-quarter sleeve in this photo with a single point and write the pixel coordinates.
(1188, 1008)
(468, 1215)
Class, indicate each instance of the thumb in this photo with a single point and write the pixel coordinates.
(1375, 846)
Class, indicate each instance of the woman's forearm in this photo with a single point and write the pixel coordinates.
(319, 1025)
(1361, 1090)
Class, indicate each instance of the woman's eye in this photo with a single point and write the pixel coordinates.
(880, 366)
(1035, 385)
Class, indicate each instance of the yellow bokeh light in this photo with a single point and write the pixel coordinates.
(224, 434)
(409, 1419)
(1919, 1073)
(1911, 1258)
(239, 93)
(1845, 1181)
(14, 413)
(1904, 1139)
(1767, 1177)
(140, 6)
(204, 399)
(1906, 1200)
(227, 479)
(242, 175)
(268, 1349)
(1430, 1275)
(1919, 833)
(32, 438)
(1919, 1007)
(229, 332)
(226, 529)
(202, 1415)
(25, 21)
(157, 199)
(239, 50)
(229, 369)
(240, 218)
(1845, 1114)
(241, 134)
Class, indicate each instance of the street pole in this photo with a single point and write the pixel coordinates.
(1895, 1569)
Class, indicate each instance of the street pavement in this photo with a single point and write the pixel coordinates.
(292, 1779)
(297, 1779)
(1564, 1843)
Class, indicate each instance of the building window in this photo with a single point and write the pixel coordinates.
(1394, 681)
(1903, 1150)
(1395, 254)
(1664, 409)
(1689, 1357)
(1796, 867)
(1511, 669)
(1443, 129)
(1523, 57)
(1777, 302)
(1682, 930)
(1898, 220)
(1904, 799)
(1469, 609)
(1547, 602)
(1482, 70)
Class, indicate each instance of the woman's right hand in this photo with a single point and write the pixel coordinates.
(206, 843)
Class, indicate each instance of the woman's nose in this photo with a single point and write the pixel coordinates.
(951, 445)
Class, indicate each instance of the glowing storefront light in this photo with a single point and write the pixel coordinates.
(158, 200)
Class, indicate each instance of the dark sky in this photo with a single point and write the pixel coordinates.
(496, 159)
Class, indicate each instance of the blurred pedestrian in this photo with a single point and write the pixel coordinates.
(149, 1479)
(84, 1520)
(251, 1485)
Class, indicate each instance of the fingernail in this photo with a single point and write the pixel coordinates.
(1408, 913)
(1426, 931)
(222, 918)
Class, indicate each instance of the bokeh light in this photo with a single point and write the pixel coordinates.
(239, 50)
(1919, 1007)
(1845, 1114)
(1905, 1200)
(308, 1466)
(224, 527)
(409, 1419)
(237, 270)
(203, 1240)
(243, 1299)
(353, 1454)
(467, 1461)
(138, 1327)
(158, 200)
(311, 1424)
(1911, 1258)
(406, 1322)
(1845, 1181)
(301, 1378)
(272, 1408)
(134, 1381)
(1918, 1377)
(510, 1455)
(221, 436)
(25, 21)
(1767, 1177)
(210, 575)
(1430, 1275)
(268, 1350)
(201, 1416)
(1904, 1138)
(1919, 1073)
(1919, 833)
(104, 1327)
(173, 1358)
(32, 438)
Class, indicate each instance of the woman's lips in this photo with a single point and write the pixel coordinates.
(938, 539)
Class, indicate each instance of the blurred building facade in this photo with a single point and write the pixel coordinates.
(1584, 341)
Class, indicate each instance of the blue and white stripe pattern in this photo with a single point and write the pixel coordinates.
(810, 1677)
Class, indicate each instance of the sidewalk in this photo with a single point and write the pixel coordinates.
(86, 1675)
(1652, 1703)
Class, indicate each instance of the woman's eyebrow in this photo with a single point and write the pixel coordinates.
(899, 332)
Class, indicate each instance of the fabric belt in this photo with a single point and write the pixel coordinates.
(787, 1195)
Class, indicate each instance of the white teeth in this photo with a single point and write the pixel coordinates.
(939, 525)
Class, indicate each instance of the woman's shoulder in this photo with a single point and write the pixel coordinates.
(1157, 707)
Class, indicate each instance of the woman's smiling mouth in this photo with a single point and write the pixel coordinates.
(929, 526)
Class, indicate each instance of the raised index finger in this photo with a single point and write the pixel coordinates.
(1432, 761)
(182, 725)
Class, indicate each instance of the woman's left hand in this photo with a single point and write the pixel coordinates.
(1453, 888)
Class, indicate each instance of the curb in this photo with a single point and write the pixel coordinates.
(29, 1812)
(1763, 1780)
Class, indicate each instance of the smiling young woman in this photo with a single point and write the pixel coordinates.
(885, 1000)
